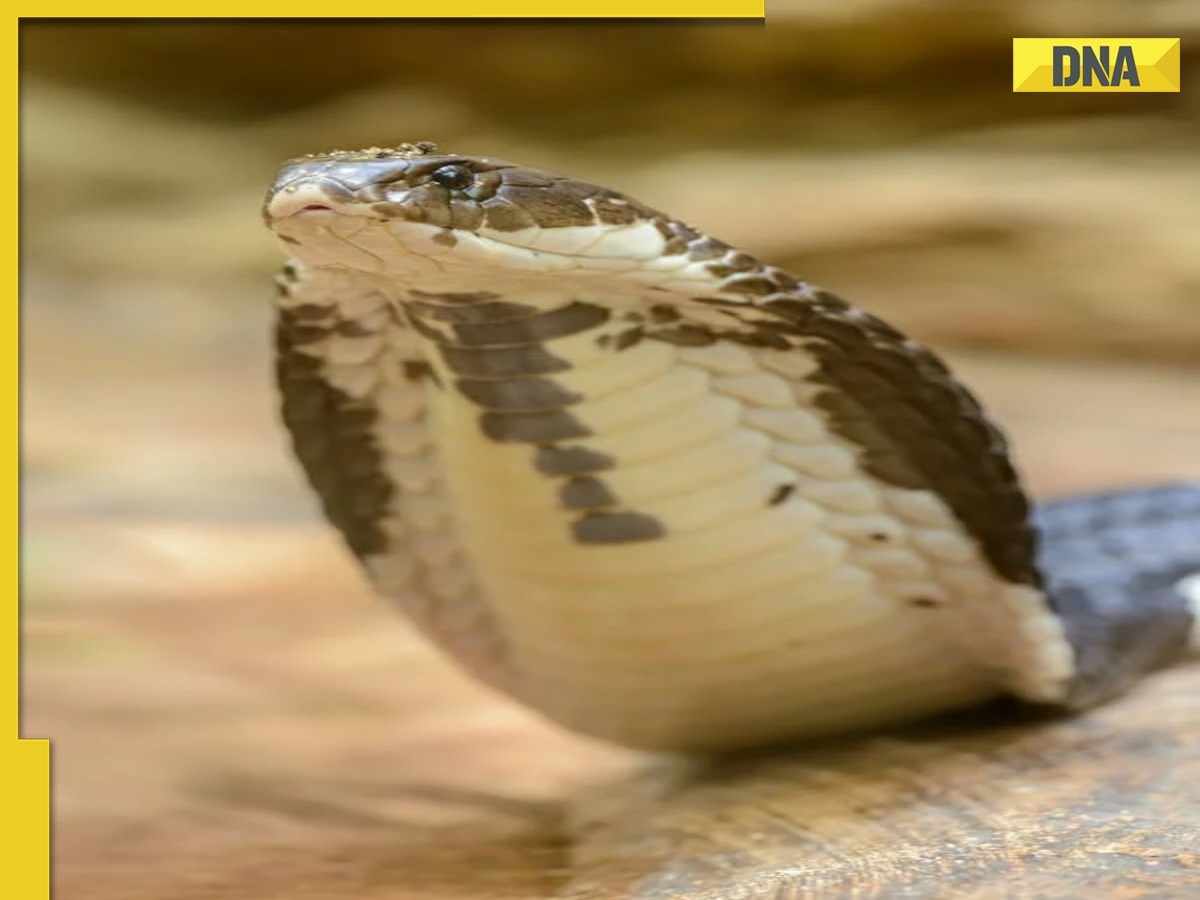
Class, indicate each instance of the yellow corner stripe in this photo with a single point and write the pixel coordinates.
(541, 9)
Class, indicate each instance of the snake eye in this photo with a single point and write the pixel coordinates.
(453, 177)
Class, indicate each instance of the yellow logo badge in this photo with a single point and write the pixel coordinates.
(1095, 64)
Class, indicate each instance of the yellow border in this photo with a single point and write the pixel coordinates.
(510, 9)
(25, 763)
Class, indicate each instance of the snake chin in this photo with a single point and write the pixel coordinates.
(432, 258)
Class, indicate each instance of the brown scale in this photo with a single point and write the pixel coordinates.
(418, 370)
(585, 493)
(553, 459)
(331, 436)
(616, 528)
(677, 237)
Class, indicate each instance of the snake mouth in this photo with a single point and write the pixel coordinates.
(307, 195)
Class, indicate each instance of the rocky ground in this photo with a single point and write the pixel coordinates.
(234, 716)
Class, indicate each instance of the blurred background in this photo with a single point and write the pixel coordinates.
(233, 713)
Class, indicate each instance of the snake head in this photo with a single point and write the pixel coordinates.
(417, 212)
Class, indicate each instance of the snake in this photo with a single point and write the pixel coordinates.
(673, 497)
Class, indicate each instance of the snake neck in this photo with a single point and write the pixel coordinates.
(622, 488)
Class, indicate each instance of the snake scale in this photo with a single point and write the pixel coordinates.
(669, 495)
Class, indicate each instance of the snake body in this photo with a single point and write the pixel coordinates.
(667, 494)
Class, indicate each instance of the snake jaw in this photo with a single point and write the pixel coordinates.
(321, 224)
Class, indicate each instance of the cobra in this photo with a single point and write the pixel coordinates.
(669, 495)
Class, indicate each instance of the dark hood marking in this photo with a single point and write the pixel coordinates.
(502, 366)
(917, 426)
(331, 436)
(616, 528)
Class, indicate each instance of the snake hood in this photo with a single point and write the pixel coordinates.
(668, 494)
